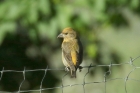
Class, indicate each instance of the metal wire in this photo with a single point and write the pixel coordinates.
(106, 74)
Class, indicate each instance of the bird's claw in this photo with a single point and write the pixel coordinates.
(80, 68)
(67, 69)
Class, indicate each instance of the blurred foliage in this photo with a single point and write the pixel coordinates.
(28, 30)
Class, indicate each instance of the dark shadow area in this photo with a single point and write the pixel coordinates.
(13, 57)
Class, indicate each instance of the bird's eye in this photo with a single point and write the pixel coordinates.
(66, 33)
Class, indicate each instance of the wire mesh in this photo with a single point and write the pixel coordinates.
(107, 73)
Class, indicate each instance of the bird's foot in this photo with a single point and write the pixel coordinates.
(80, 68)
(67, 69)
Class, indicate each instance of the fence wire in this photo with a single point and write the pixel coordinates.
(107, 73)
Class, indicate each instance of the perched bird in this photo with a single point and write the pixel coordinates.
(72, 51)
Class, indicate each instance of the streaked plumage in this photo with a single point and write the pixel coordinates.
(72, 51)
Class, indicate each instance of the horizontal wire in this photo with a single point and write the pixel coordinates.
(83, 83)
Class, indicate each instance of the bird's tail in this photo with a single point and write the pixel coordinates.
(73, 74)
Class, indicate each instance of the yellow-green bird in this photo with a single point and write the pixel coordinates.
(72, 50)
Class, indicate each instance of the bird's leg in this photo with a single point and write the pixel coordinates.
(67, 69)
(80, 68)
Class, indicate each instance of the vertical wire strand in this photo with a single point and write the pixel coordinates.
(43, 79)
(85, 77)
(62, 85)
(106, 74)
(1, 73)
(22, 80)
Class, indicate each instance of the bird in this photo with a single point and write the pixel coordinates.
(72, 50)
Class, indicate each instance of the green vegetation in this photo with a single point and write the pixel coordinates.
(109, 31)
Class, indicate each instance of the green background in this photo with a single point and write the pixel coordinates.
(109, 31)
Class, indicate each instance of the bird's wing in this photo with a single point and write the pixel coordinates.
(75, 53)
(66, 49)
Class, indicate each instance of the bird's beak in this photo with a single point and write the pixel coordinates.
(60, 35)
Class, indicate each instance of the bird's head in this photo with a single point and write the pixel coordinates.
(68, 33)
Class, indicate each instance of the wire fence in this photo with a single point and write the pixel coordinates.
(105, 80)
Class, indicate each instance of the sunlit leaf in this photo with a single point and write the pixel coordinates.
(7, 27)
(33, 12)
(91, 50)
(44, 6)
